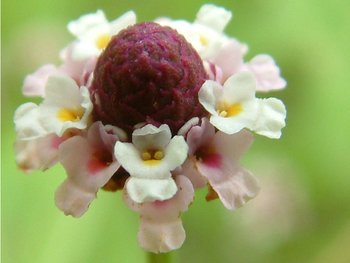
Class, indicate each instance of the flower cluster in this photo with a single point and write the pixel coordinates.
(155, 109)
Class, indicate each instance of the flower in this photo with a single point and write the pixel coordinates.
(94, 32)
(154, 109)
(89, 163)
(215, 156)
(161, 228)
(65, 106)
(234, 107)
(205, 33)
(149, 160)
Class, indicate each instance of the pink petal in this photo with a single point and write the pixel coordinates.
(267, 73)
(161, 229)
(34, 84)
(230, 58)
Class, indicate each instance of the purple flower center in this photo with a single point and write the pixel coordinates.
(148, 73)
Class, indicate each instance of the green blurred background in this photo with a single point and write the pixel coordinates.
(302, 213)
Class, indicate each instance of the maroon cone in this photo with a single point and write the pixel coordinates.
(148, 73)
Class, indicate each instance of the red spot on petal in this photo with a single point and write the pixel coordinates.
(213, 160)
(96, 165)
(209, 156)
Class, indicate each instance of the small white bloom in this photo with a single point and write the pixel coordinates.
(205, 33)
(65, 106)
(234, 106)
(149, 160)
(94, 32)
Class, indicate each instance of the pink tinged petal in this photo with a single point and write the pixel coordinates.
(234, 186)
(214, 72)
(267, 73)
(271, 118)
(27, 158)
(73, 200)
(148, 190)
(187, 126)
(219, 163)
(200, 135)
(189, 169)
(233, 146)
(34, 84)
(213, 16)
(230, 58)
(161, 229)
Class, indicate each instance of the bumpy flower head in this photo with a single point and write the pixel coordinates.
(155, 109)
(148, 74)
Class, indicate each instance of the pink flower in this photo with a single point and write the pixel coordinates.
(230, 61)
(89, 163)
(216, 157)
(161, 228)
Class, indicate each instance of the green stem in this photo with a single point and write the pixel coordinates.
(160, 258)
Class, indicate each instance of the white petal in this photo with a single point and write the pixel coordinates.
(209, 95)
(239, 87)
(176, 152)
(150, 137)
(85, 22)
(130, 158)
(271, 118)
(150, 190)
(213, 16)
(26, 121)
(122, 22)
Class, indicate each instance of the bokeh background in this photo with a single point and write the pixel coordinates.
(303, 211)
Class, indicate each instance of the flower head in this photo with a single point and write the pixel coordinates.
(155, 109)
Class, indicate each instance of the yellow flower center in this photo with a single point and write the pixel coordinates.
(102, 41)
(69, 115)
(226, 110)
(203, 40)
(152, 157)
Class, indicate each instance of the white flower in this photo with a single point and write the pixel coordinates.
(94, 32)
(65, 106)
(205, 33)
(149, 160)
(234, 106)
